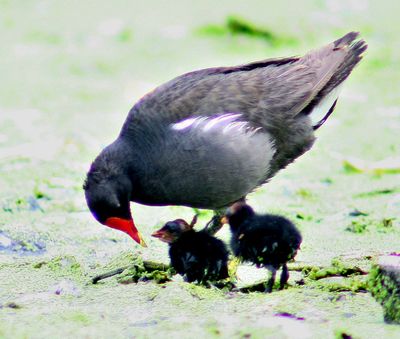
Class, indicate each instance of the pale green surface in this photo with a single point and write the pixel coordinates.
(70, 73)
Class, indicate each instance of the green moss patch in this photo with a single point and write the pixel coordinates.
(384, 286)
(338, 268)
(131, 268)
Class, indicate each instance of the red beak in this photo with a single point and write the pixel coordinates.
(127, 226)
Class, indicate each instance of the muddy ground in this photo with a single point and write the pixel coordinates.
(70, 71)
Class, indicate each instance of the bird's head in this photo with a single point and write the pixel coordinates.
(108, 198)
(236, 214)
(172, 230)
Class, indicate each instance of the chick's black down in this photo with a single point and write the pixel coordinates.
(266, 240)
(199, 257)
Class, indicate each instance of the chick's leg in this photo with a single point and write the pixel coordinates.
(284, 277)
(271, 281)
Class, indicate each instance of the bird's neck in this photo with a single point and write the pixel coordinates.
(118, 161)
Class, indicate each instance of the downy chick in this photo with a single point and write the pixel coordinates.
(267, 240)
(197, 256)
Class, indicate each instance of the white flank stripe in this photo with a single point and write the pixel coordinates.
(228, 122)
(220, 119)
(184, 124)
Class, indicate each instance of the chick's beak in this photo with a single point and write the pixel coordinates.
(158, 234)
(163, 236)
(127, 226)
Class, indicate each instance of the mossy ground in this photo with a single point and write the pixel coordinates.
(384, 286)
(70, 71)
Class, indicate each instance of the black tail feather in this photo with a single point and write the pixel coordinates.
(346, 40)
(354, 55)
(322, 121)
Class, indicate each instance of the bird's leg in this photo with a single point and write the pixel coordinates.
(271, 281)
(284, 277)
(214, 225)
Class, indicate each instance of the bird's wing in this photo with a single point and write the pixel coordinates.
(287, 97)
(265, 92)
(205, 162)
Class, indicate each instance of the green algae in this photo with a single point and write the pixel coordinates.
(131, 268)
(386, 224)
(379, 192)
(386, 290)
(237, 26)
(350, 168)
(62, 265)
(359, 226)
(78, 317)
(338, 268)
(344, 285)
(135, 274)
(201, 292)
(365, 224)
(305, 194)
(342, 334)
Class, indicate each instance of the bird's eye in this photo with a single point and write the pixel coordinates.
(172, 227)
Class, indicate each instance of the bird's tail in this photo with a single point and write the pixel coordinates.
(324, 102)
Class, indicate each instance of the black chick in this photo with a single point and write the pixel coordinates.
(197, 256)
(267, 240)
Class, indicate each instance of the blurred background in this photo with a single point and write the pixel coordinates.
(71, 70)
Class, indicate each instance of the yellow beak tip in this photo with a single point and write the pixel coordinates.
(142, 242)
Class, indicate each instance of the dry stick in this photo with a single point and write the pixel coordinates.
(109, 274)
(149, 266)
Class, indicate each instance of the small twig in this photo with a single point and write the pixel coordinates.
(149, 266)
(109, 274)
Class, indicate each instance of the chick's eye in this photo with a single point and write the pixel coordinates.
(172, 227)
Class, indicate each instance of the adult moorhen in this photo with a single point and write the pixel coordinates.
(265, 240)
(207, 138)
